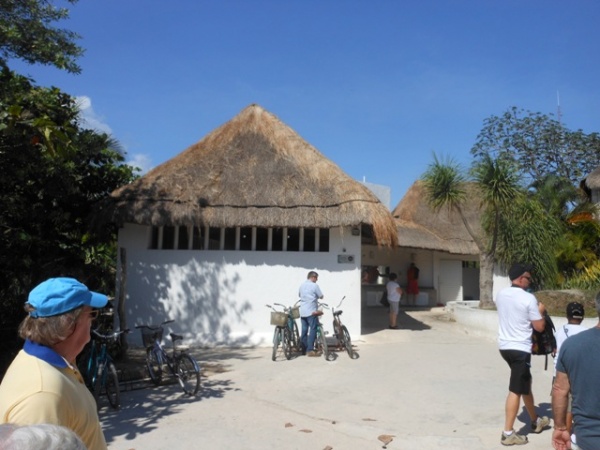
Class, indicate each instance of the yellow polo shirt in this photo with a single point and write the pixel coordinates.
(40, 387)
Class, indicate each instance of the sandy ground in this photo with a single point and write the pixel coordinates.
(427, 386)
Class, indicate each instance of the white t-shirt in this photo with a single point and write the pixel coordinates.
(517, 308)
(392, 291)
(561, 335)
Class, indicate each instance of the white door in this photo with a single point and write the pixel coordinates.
(450, 281)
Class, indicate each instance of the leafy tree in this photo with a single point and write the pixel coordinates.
(26, 33)
(53, 174)
(540, 145)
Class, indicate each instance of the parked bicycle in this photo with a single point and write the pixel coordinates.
(341, 332)
(180, 363)
(286, 332)
(321, 339)
(98, 368)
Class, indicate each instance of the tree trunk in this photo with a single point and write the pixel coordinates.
(486, 281)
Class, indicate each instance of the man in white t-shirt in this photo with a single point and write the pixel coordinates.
(518, 314)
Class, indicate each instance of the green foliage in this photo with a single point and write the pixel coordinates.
(443, 183)
(26, 33)
(528, 234)
(540, 145)
(53, 174)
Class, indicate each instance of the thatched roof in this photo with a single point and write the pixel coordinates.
(592, 181)
(419, 226)
(252, 171)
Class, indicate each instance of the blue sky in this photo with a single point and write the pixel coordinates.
(377, 86)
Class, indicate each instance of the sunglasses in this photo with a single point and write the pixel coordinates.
(94, 314)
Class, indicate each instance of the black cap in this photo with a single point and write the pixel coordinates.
(575, 310)
(518, 269)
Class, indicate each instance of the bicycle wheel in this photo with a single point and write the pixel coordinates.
(347, 341)
(154, 365)
(111, 385)
(188, 373)
(296, 337)
(276, 341)
(322, 340)
(287, 343)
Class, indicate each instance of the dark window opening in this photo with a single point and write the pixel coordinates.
(154, 238)
(168, 241)
(214, 238)
(277, 244)
(262, 239)
(198, 238)
(245, 238)
(309, 239)
(229, 239)
(293, 239)
(183, 238)
(324, 240)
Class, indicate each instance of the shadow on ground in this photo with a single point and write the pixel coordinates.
(376, 318)
(143, 404)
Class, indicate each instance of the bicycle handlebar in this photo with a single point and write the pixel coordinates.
(154, 327)
(109, 336)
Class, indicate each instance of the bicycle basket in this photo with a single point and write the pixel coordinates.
(279, 319)
(149, 336)
(296, 312)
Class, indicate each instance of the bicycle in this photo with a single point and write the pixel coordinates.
(321, 339)
(99, 370)
(286, 330)
(181, 364)
(341, 332)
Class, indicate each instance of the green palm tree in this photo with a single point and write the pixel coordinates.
(445, 186)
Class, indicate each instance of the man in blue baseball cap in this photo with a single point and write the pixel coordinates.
(43, 385)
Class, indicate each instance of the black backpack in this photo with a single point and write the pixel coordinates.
(544, 343)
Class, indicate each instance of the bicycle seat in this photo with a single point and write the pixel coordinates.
(338, 312)
(176, 337)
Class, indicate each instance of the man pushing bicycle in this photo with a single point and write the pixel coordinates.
(309, 293)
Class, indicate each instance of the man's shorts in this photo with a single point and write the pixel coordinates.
(394, 307)
(520, 371)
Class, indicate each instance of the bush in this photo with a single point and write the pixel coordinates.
(556, 301)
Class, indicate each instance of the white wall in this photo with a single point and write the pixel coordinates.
(219, 297)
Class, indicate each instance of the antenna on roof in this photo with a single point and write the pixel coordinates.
(558, 111)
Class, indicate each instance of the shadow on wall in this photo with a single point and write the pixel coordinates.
(197, 295)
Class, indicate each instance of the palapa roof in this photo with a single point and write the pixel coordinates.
(252, 171)
(592, 181)
(420, 226)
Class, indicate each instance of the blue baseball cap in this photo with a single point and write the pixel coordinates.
(57, 296)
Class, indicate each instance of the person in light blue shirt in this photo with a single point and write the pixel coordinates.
(309, 293)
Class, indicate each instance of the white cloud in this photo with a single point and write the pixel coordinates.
(142, 161)
(89, 118)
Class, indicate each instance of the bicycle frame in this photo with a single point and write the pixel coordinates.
(181, 365)
(341, 332)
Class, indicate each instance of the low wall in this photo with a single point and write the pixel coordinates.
(484, 322)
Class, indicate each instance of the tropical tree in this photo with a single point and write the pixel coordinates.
(54, 172)
(540, 145)
(510, 221)
(27, 33)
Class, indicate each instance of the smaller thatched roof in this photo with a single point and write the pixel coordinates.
(419, 226)
(592, 181)
(252, 171)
